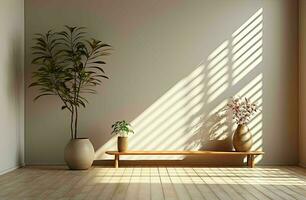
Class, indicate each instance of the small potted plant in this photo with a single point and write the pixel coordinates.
(242, 110)
(122, 129)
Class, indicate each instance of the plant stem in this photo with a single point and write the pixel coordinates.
(75, 91)
(76, 122)
(71, 122)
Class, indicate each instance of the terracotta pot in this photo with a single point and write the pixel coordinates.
(79, 154)
(242, 140)
(122, 144)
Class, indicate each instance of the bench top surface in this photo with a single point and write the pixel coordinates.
(184, 152)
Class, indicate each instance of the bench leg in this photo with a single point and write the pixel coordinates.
(116, 161)
(250, 161)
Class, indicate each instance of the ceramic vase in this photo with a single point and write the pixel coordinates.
(242, 139)
(122, 144)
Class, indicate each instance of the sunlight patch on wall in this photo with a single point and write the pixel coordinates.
(217, 70)
(245, 25)
(247, 47)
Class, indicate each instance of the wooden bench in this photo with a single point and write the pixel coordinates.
(250, 155)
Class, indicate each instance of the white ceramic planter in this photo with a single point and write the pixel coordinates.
(79, 154)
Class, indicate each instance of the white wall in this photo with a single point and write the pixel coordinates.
(174, 66)
(302, 72)
(11, 84)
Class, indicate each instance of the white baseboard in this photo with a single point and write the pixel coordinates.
(9, 170)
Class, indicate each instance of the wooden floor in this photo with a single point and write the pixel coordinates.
(158, 183)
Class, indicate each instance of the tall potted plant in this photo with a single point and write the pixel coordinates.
(68, 66)
(242, 110)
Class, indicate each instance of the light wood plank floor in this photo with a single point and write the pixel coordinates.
(158, 183)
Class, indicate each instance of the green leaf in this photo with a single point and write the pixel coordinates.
(41, 95)
(38, 48)
(98, 62)
(98, 68)
(34, 84)
(39, 58)
(70, 28)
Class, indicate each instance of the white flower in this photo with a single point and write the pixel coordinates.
(242, 109)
